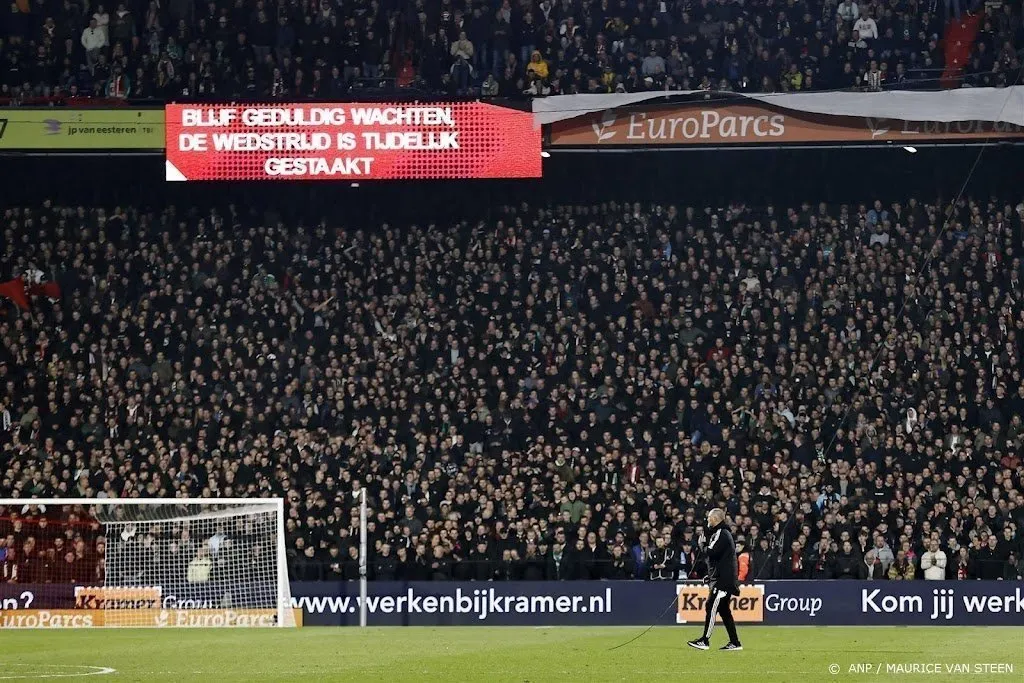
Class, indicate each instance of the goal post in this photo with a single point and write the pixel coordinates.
(188, 562)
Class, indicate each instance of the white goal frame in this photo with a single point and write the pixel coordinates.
(262, 505)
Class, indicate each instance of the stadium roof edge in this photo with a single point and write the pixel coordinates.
(1002, 105)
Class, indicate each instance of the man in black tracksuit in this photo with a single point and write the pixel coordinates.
(721, 579)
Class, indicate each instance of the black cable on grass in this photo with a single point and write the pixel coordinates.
(645, 631)
(701, 551)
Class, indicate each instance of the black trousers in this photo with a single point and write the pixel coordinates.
(718, 604)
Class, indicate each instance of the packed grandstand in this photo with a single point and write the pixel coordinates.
(160, 50)
(554, 391)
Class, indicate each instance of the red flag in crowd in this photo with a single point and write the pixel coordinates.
(15, 291)
(51, 290)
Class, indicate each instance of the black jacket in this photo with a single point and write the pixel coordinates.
(762, 565)
(561, 569)
(849, 566)
(385, 568)
(534, 567)
(620, 569)
(666, 556)
(482, 566)
(822, 565)
(721, 554)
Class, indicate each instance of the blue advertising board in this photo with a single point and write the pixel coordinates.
(620, 603)
(889, 603)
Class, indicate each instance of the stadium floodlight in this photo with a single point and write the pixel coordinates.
(118, 562)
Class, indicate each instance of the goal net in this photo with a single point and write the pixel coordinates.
(145, 563)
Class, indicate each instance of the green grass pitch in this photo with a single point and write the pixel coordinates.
(513, 654)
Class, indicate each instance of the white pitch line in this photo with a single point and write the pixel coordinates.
(95, 671)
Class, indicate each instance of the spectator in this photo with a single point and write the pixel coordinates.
(933, 562)
(102, 19)
(664, 562)
(793, 566)
(990, 567)
(874, 568)
(118, 86)
(848, 11)
(902, 569)
(883, 553)
(877, 213)
(350, 565)
(762, 564)
(537, 66)
(461, 75)
(653, 64)
(373, 55)
(880, 231)
(332, 569)
(385, 567)
(866, 27)
(534, 565)
(1008, 543)
(641, 553)
(575, 564)
(500, 41)
(199, 569)
(574, 506)
(848, 564)
(1012, 571)
(490, 86)
(621, 565)
(93, 40)
(462, 48)
(822, 561)
(440, 565)
(122, 28)
(966, 567)
(559, 563)
(742, 559)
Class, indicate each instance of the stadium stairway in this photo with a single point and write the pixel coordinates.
(958, 42)
(406, 71)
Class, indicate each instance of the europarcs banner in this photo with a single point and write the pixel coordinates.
(621, 603)
(59, 129)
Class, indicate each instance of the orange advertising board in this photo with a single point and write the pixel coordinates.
(117, 597)
(141, 618)
(747, 607)
(754, 124)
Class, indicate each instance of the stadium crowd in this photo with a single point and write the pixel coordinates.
(319, 49)
(553, 392)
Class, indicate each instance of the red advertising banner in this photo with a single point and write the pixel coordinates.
(350, 141)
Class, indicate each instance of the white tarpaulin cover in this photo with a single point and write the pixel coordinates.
(1004, 105)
